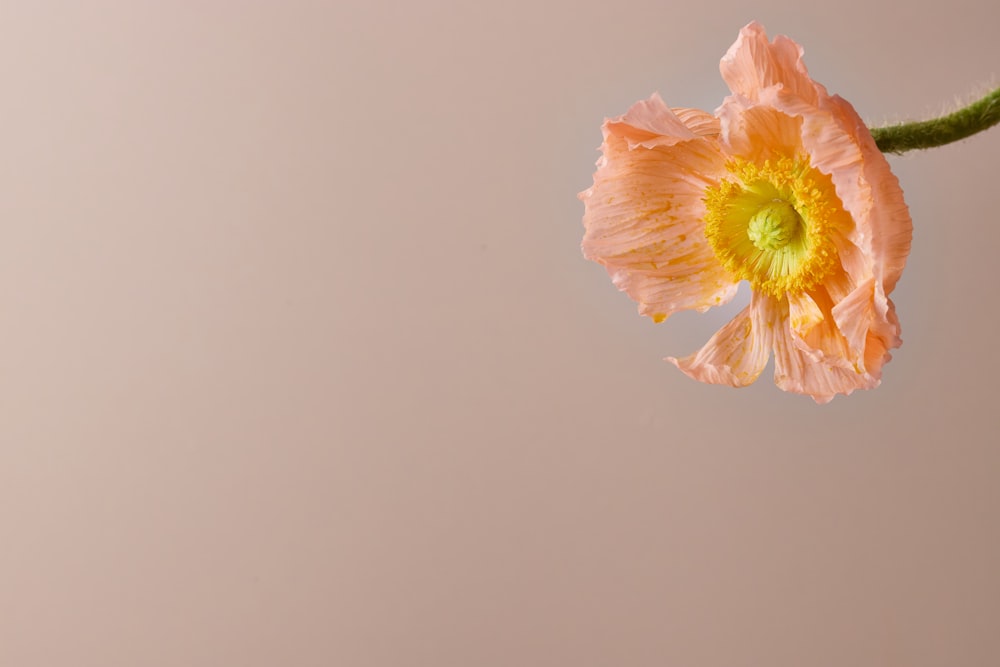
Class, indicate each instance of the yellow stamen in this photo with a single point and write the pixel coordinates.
(772, 224)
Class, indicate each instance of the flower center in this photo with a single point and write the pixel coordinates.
(772, 225)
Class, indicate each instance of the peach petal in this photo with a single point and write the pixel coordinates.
(753, 64)
(644, 214)
(759, 132)
(854, 314)
(889, 216)
(650, 123)
(823, 342)
(871, 192)
(877, 350)
(796, 370)
(804, 313)
(866, 329)
(855, 268)
(831, 146)
(737, 353)
(700, 122)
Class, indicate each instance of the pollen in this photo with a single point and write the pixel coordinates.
(772, 224)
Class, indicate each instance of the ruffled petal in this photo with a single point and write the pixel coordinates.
(854, 315)
(878, 346)
(813, 365)
(854, 268)
(840, 346)
(804, 314)
(880, 194)
(758, 133)
(700, 122)
(866, 328)
(823, 341)
(753, 64)
(651, 123)
(644, 213)
(737, 353)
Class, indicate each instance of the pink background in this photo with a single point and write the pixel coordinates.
(300, 363)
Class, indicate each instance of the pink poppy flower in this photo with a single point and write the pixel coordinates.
(782, 187)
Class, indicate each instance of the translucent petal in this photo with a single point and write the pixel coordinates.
(737, 353)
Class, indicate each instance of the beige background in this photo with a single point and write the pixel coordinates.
(300, 363)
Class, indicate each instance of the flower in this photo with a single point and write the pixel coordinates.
(782, 187)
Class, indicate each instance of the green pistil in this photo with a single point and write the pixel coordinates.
(965, 122)
(773, 225)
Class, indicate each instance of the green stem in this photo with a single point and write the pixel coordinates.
(965, 122)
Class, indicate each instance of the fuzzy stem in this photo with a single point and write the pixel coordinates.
(965, 122)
